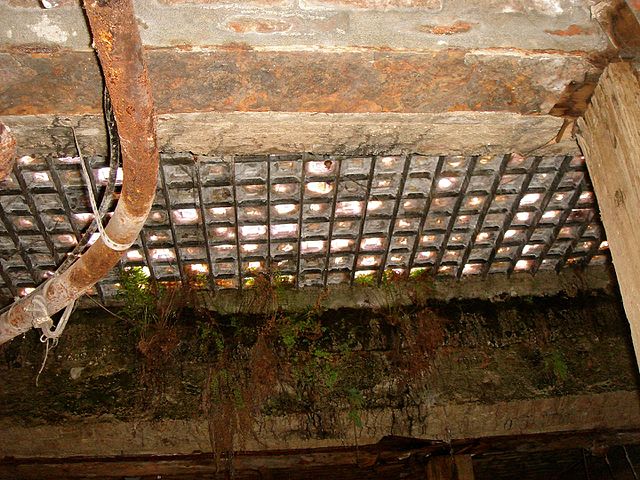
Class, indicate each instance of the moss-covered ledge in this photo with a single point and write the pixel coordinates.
(458, 368)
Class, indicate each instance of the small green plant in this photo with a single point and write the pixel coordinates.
(356, 403)
(366, 280)
(557, 366)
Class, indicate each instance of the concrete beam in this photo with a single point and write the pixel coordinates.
(213, 133)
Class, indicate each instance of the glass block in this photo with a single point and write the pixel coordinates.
(312, 263)
(342, 245)
(494, 220)
(586, 199)
(560, 200)
(443, 205)
(158, 237)
(425, 257)
(377, 226)
(542, 235)
(346, 227)
(599, 260)
(499, 267)
(584, 246)
(315, 229)
(166, 271)
(480, 183)
(186, 216)
(253, 232)
(503, 203)
(178, 175)
(398, 259)
(47, 202)
(518, 161)
(285, 191)
(225, 268)
(531, 200)
(410, 224)
(385, 184)
(251, 171)
(532, 249)
(390, 164)
(593, 230)
(551, 217)
(189, 234)
(356, 166)
(422, 164)
(459, 239)
(213, 195)
(402, 242)
(369, 261)
(542, 180)
(221, 233)
(456, 164)
(447, 270)
(337, 278)
(522, 219)
(580, 215)
(37, 179)
(24, 224)
(449, 184)
(184, 196)
(473, 269)
(559, 248)
(452, 256)
(373, 244)
(220, 215)
(380, 208)
(338, 262)
(489, 162)
(431, 241)
(216, 172)
(523, 265)
(511, 183)
(279, 249)
(285, 265)
(434, 222)
(7, 245)
(193, 253)
(321, 168)
(13, 203)
(356, 189)
(480, 254)
(506, 252)
(310, 279)
(226, 250)
(554, 162)
(284, 230)
(412, 206)
(286, 169)
(317, 210)
(78, 201)
(253, 213)
(285, 211)
(571, 179)
(57, 222)
(253, 266)
(251, 192)
(226, 283)
(514, 235)
(349, 209)
(487, 237)
(465, 222)
(312, 246)
(417, 186)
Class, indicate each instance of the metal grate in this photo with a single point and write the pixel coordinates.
(317, 220)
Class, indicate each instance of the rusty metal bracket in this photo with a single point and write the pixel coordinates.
(117, 41)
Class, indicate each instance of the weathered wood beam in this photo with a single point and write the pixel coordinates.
(450, 467)
(609, 135)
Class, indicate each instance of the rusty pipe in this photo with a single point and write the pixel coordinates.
(117, 41)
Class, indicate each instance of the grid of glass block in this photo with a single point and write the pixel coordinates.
(316, 220)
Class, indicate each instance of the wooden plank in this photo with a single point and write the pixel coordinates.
(450, 467)
(609, 135)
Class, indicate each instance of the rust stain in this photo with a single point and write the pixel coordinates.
(572, 31)
(623, 28)
(455, 28)
(237, 78)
